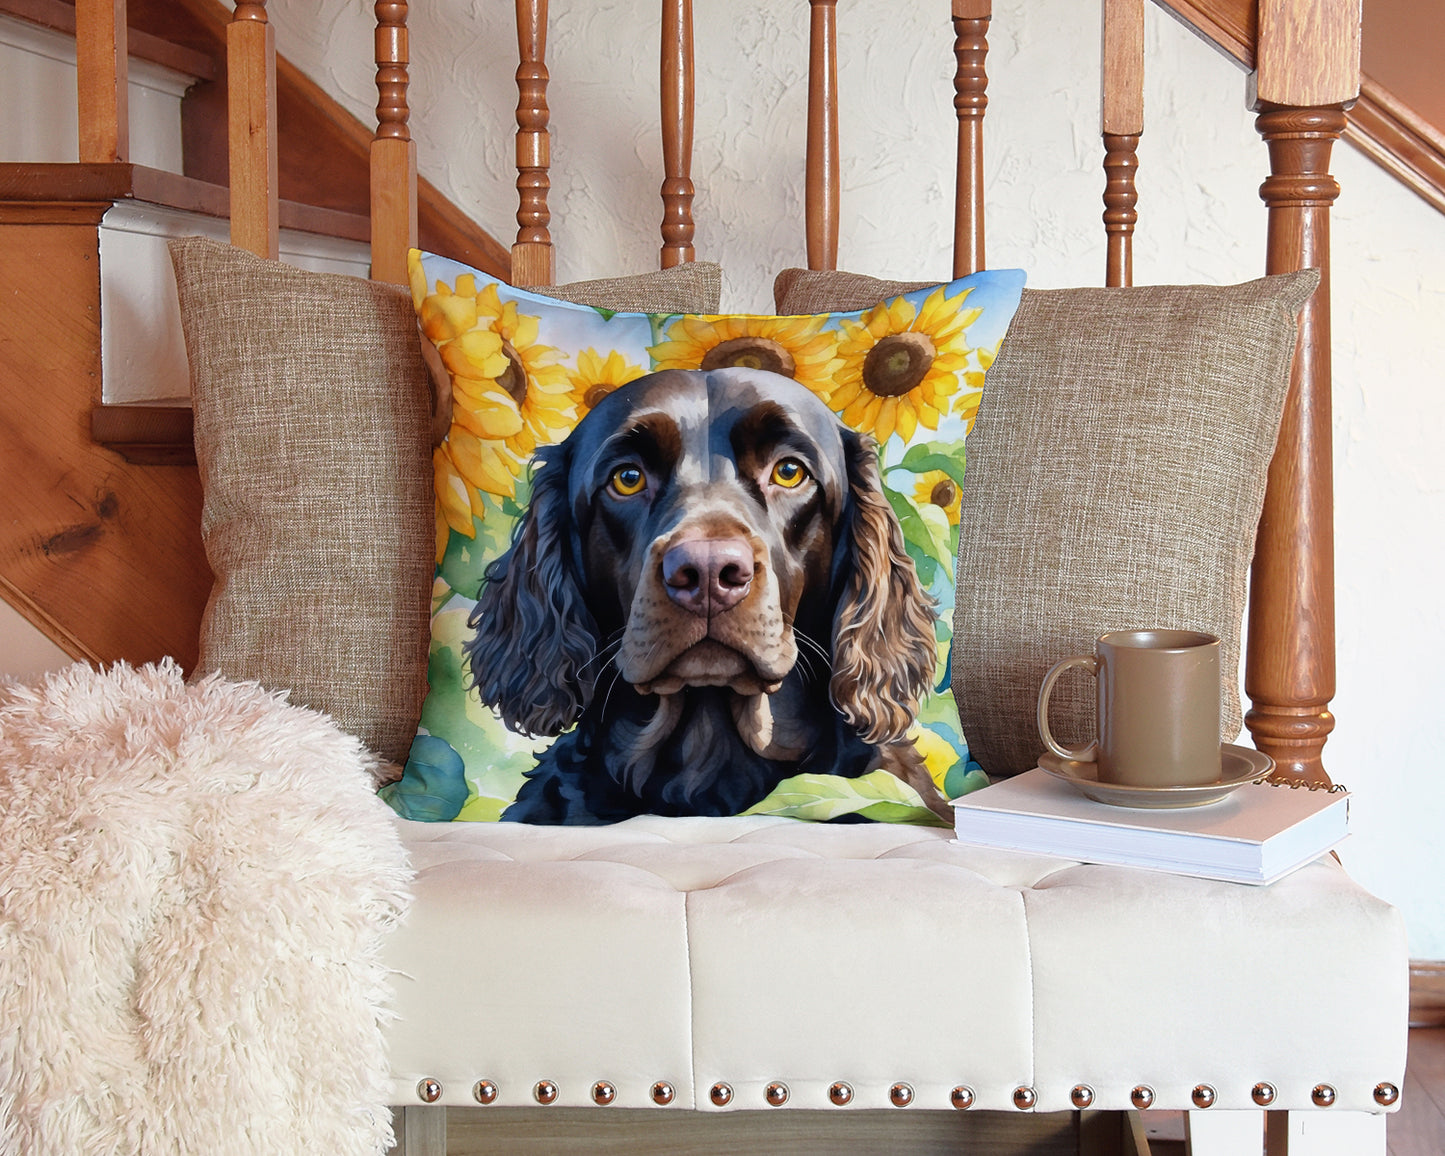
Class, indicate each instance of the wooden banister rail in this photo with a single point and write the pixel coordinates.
(251, 100)
(821, 214)
(678, 94)
(393, 152)
(1121, 124)
(1290, 664)
(102, 84)
(533, 260)
(970, 101)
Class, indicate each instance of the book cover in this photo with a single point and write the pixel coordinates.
(1256, 834)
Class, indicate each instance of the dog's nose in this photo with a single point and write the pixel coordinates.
(706, 576)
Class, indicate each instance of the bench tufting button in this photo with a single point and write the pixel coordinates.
(776, 1093)
(841, 1093)
(961, 1097)
(545, 1092)
(428, 1091)
(1081, 1096)
(1142, 1097)
(484, 1092)
(662, 1092)
(1386, 1094)
(721, 1094)
(900, 1095)
(603, 1093)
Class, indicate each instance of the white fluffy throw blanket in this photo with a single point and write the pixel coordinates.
(194, 886)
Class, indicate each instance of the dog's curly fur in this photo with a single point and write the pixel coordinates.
(811, 656)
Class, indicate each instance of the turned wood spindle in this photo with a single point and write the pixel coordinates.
(1290, 665)
(251, 122)
(970, 102)
(1290, 662)
(1121, 124)
(822, 196)
(533, 259)
(677, 121)
(102, 86)
(393, 152)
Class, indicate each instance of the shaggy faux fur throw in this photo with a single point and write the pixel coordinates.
(194, 886)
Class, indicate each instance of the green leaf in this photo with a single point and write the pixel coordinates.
(919, 528)
(877, 795)
(945, 456)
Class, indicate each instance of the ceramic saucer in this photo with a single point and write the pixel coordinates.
(1237, 766)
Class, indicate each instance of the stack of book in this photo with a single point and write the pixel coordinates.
(1256, 834)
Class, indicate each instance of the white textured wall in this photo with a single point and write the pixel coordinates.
(1202, 221)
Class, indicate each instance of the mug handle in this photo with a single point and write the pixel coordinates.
(1083, 754)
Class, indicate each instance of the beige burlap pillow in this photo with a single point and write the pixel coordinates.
(1115, 479)
(312, 427)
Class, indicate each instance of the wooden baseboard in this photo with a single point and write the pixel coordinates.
(1427, 994)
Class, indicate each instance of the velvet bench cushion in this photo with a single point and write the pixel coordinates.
(755, 950)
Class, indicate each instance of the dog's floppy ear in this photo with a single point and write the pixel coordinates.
(884, 651)
(534, 634)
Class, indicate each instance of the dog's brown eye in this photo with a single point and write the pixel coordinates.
(628, 480)
(789, 473)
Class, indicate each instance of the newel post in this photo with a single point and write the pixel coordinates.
(251, 99)
(1307, 75)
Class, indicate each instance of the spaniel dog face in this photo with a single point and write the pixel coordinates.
(710, 583)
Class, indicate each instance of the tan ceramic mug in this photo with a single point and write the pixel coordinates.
(1158, 708)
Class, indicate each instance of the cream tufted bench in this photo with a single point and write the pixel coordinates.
(753, 963)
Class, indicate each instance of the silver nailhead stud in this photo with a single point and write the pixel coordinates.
(900, 1095)
(841, 1093)
(1142, 1096)
(484, 1092)
(1386, 1094)
(603, 1093)
(1203, 1096)
(662, 1092)
(1025, 1098)
(721, 1094)
(545, 1092)
(1081, 1096)
(1263, 1094)
(961, 1097)
(1323, 1096)
(776, 1093)
(428, 1091)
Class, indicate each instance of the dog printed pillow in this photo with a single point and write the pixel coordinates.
(695, 565)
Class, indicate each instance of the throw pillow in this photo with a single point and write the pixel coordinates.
(1116, 478)
(312, 407)
(543, 393)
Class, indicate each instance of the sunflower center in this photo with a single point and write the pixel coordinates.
(750, 353)
(595, 394)
(898, 363)
(944, 494)
(514, 378)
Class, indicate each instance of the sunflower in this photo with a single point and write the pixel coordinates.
(966, 404)
(935, 488)
(597, 375)
(532, 375)
(798, 347)
(901, 364)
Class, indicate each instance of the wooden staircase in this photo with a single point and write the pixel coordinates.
(100, 514)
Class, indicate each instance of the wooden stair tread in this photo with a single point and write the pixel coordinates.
(24, 182)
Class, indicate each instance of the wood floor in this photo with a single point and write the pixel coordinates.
(1418, 1129)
